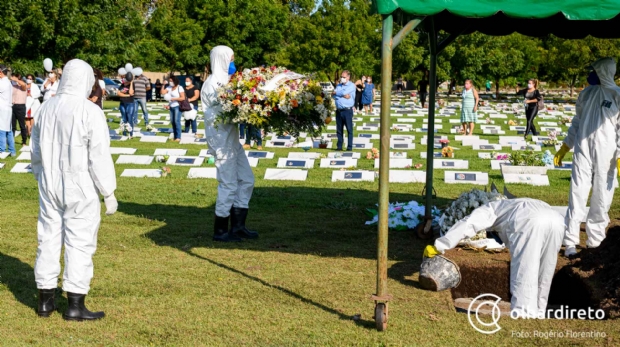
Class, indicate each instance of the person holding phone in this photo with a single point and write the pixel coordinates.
(20, 94)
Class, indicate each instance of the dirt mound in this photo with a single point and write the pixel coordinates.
(599, 271)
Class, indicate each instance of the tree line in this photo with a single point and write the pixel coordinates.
(305, 35)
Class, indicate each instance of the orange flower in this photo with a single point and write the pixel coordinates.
(236, 102)
(295, 103)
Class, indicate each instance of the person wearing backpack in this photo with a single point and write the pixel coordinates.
(533, 103)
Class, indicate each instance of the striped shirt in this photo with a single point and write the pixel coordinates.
(139, 87)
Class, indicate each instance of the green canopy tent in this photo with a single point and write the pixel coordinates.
(569, 19)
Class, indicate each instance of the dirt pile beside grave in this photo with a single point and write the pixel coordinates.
(483, 273)
(599, 271)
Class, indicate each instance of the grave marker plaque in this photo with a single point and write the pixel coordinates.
(295, 163)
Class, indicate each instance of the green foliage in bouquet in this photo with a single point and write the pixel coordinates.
(526, 158)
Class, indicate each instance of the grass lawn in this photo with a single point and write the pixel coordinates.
(162, 281)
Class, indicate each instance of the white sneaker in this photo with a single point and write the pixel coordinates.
(569, 251)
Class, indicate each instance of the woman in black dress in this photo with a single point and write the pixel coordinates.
(532, 98)
(359, 90)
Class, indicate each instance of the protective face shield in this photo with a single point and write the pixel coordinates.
(170, 83)
(593, 79)
(232, 68)
(29, 81)
(343, 80)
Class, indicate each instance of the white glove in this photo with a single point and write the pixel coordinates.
(110, 204)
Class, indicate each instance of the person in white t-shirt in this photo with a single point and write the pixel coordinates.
(173, 93)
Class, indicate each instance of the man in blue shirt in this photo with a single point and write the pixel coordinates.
(344, 95)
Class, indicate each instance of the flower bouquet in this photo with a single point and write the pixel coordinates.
(488, 120)
(124, 128)
(444, 142)
(403, 216)
(275, 99)
(513, 123)
(464, 206)
(553, 139)
(447, 152)
(547, 159)
(373, 154)
(165, 171)
(162, 158)
(566, 120)
(526, 158)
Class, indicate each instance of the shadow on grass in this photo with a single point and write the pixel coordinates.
(18, 277)
(400, 271)
(296, 220)
(364, 323)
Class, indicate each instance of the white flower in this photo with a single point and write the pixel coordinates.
(374, 220)
(392, 223)
(409, 214)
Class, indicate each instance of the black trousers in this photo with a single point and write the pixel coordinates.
(358, 100)
(530, 114)
(19, 115)
(423, 98)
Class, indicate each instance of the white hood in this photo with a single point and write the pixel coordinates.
(606, 70)
(70, 134)
(221, 56)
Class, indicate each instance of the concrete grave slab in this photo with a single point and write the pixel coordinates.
(286, 174)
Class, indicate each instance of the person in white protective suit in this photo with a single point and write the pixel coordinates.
(234, 174)
(72, 163)
(533, 233)
(595, 137)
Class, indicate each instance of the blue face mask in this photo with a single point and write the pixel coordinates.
(232, 68)
(593, 79)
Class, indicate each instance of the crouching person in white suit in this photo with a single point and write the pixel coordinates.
(533, 233)
(72, 163)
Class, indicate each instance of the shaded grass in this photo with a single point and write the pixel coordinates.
(162, 281)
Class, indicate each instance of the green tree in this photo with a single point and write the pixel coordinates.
(339, 35)
(100, 32)
(566, 60)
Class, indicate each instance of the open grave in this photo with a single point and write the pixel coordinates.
(592, 280)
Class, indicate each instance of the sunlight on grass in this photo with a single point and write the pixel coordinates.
(162, 281)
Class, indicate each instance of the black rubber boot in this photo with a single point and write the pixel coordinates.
(47, 302)
(238, 216)
(221, 233)
(76, 311)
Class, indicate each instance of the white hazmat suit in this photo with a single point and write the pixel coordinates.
(234, 174)
(595, 136)
(533, 233)
(72, 163)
